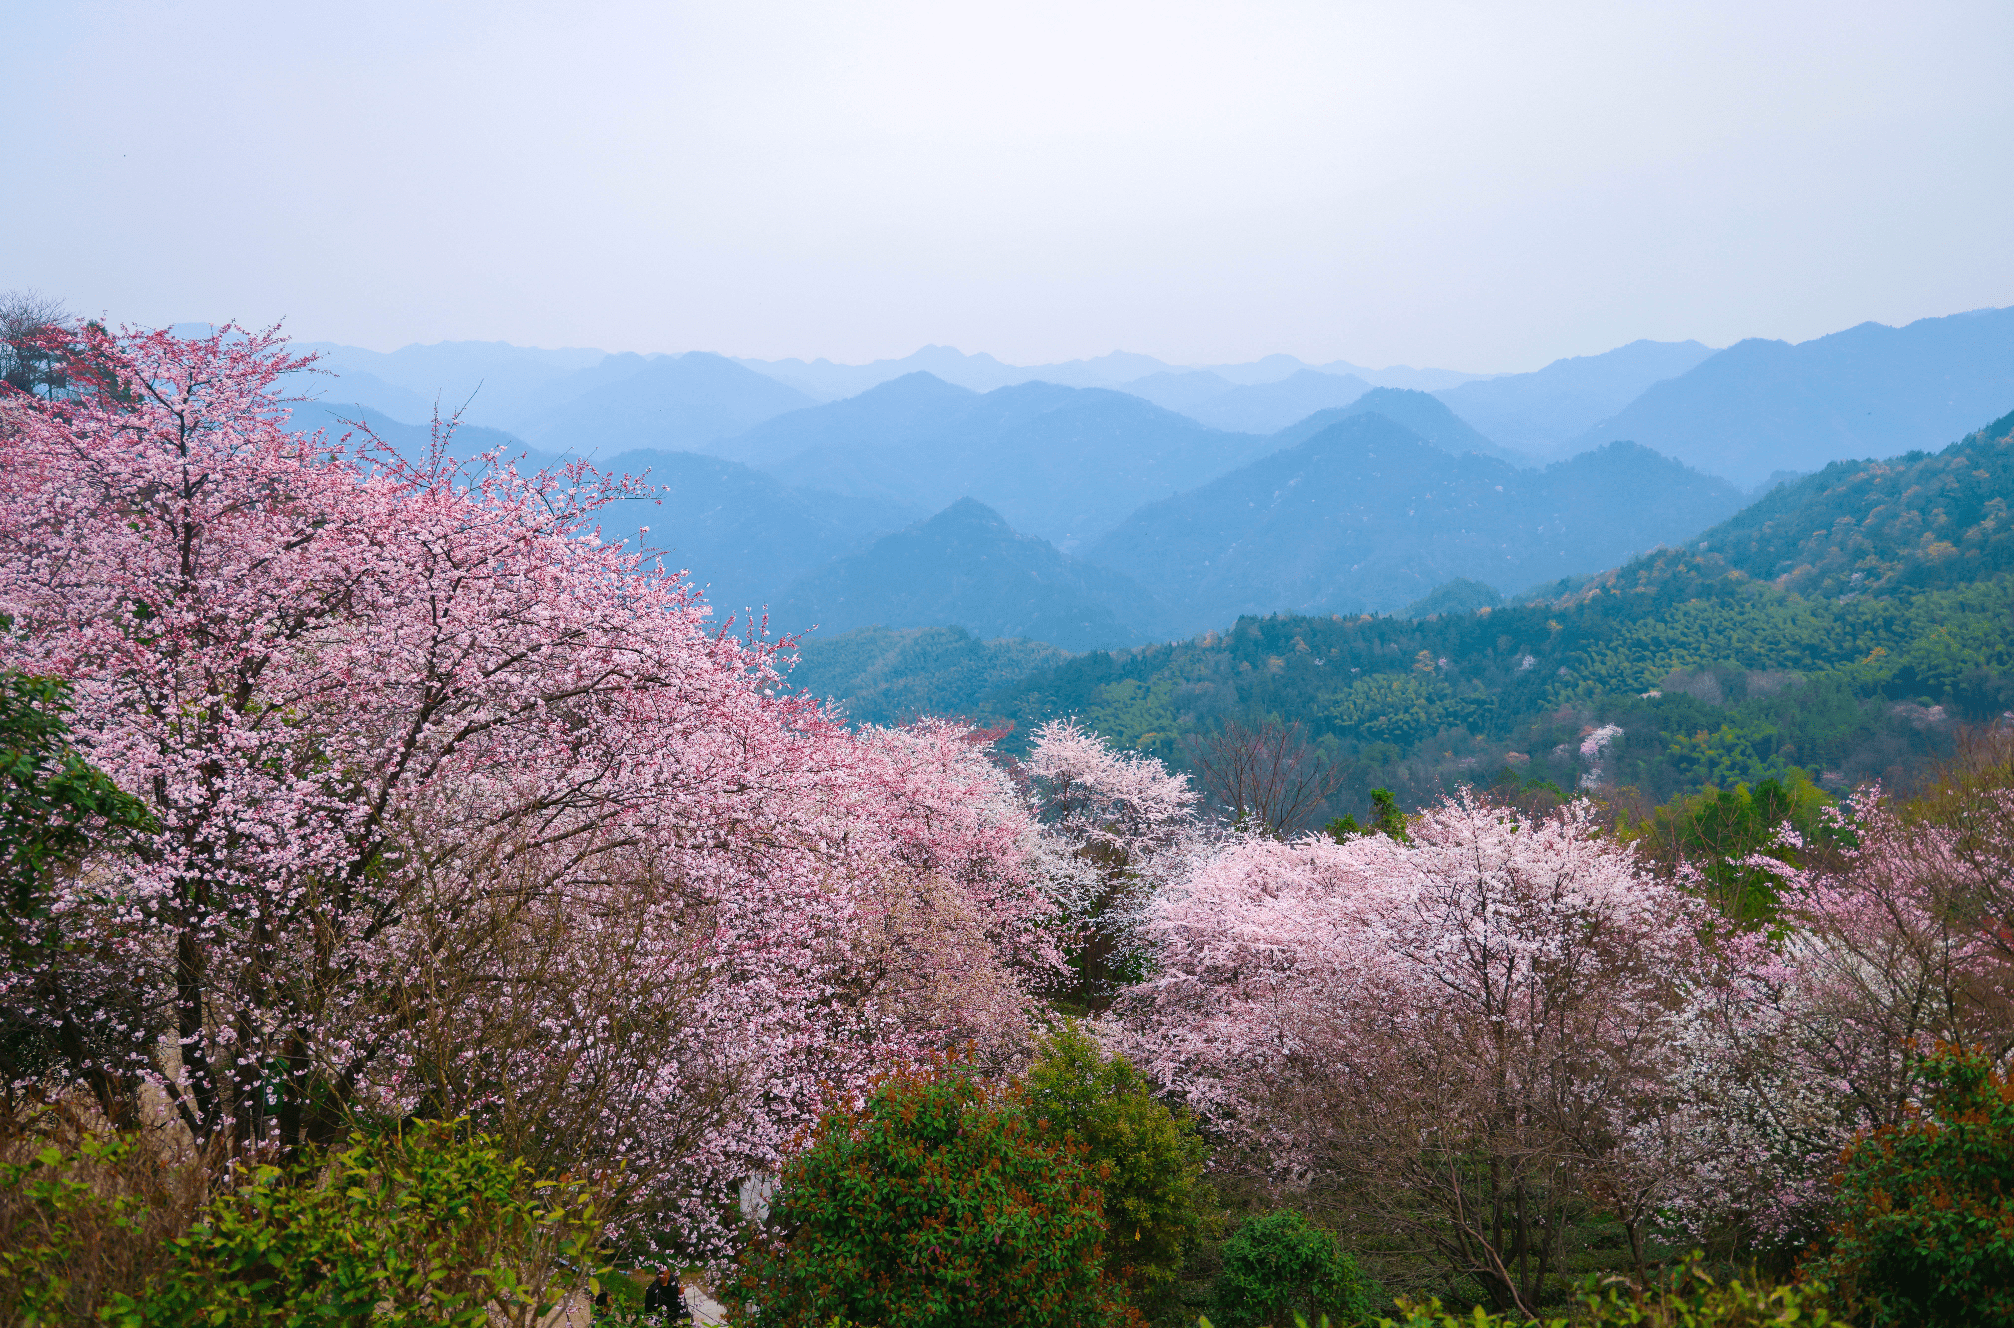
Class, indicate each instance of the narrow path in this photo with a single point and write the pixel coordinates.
(706, 1311)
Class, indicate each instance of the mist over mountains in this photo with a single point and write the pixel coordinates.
(1870, 391)
(1366, 515)
(1111, 501)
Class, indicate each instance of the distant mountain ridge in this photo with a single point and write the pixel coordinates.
(1270, 407)
(983, 373)
(966, 567)
(1539, 412)
(744, 536)
(1420, 412)
(1367, 515)
(682, 403)
(1870, 391)
(1063, 463)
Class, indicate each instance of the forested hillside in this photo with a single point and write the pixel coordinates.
(1753, 652)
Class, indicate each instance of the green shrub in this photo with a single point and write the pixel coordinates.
(82, 1219)
(1148, 1161)
(1279, 1266)
(1924, 1233)
(415, 1227)
(933, 1206)
(1687, 1297)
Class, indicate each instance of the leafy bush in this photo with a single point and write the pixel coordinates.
(1925, 1211)
(1389, 821)
(1686, 1298)
(82, 1220)
(54, 808)
(1279, 1266)
(1148, 1161)
(416, 1227)
(934, 1206)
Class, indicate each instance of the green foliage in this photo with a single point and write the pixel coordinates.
(934, 1206)
(55, 807)
(1388, 821)
(1280, 1265)
(1685, 1297)
(1148, 1160)
(412, 1227)
(53, 803)
(1722, 830)
(68, 1225)
(1404, 707)
(1924, 1233)
(891, 677)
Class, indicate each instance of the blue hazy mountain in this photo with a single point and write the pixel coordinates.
(355, 390)
(966, 567)
(1180, 391)
(1870, 391)
(1460, 595)
(1367, 515)
(1420, 412)
(1538, 412)
(496, 380)
(743, 535)
(1270, 407)
(413, 442)
(1063, 463)
(824, 380)
(673, 403)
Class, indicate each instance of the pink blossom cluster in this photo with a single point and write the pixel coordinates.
(1525, 990)
(1811, 1035)
(463, 810)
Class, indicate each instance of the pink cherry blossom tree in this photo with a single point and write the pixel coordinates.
(1462, 1034)
(1814, 1034)
(462, 810)
(1116, 828)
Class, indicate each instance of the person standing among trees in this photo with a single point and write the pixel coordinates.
(664, 1299)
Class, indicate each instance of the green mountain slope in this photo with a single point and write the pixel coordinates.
(881, 676)
(1868, 527)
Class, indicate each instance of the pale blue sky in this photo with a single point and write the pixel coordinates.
(1484, 187)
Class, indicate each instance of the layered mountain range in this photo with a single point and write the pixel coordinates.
(1111, 501)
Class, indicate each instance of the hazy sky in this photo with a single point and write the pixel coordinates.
(1484, 187)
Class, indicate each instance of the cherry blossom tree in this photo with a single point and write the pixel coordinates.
(462, 810)
(1814, 1035)
(1117, 827)
(1464, 1032)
